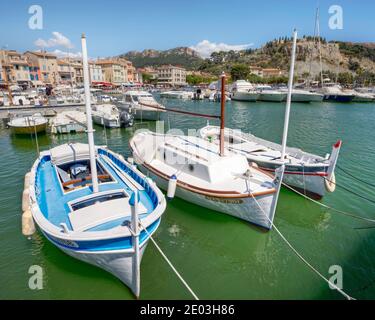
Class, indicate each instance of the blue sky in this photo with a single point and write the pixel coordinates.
(114, 26)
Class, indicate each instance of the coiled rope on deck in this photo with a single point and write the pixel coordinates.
(169, 263)
(348, 297)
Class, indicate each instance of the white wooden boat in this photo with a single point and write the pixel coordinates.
(93, 205)
(28, 124)
(106, 115)
(306, 172)
(142, 105)
(223, 183)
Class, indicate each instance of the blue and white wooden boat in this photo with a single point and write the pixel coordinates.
(93, 205)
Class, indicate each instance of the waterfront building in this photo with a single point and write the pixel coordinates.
(113, 71)
(15, 68)
(258, 71)
(96, 72)
(272, 72)
(47, 63)
(65, 71)
(169, 75)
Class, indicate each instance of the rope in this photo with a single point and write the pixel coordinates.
(350, 191)
(194, 114)
(169, 263)
(354, 177)
(328, 207)
(300, 256)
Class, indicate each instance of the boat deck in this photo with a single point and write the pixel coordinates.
(53, 202)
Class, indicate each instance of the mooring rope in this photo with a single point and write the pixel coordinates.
(350, 191)
(328, 207)
(169, 263)
(300, 256)
(354, 177)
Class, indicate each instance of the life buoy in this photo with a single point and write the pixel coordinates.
(330, 184)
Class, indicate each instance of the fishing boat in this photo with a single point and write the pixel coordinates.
(142, 105)
(224, 183)
(93, 205)
(106, 115)
(307, 172)
(72, 121)
(207, 175)
(28, 124)
(243, 90)
(267, 93)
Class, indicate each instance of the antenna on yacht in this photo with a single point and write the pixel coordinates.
(90, 130)
(222, 115)
(289, 96)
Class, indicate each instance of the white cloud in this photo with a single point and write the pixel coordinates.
(205, 47)
(58, 40)
(64, 54)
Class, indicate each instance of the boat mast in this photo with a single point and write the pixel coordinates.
(222, 115)
(289, 97)
(90, 130)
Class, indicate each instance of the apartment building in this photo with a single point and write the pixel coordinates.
(258, 71)
(272, 72)
(96, 72)
(171, 76)
(113, 71)
(47, 63)
(65, 71)
(15, 68)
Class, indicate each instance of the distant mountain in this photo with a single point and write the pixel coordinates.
(182, 56)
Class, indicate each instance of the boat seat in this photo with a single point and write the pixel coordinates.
(102, 212)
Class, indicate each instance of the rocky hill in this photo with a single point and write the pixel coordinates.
(183, 56)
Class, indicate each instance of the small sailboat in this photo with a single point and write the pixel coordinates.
(28, 124)
(207, 175)
(93, 205)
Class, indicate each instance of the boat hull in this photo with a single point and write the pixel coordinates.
(270, 97)
(338, 98)
(300, 97)
(362, 99)
(29, 129)
(245, 96)
(108, 123)
(245, 208)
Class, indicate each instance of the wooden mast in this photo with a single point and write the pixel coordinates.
(222, 115)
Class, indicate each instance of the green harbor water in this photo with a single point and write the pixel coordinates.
(219, 256)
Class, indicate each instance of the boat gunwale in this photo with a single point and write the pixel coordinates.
(114, 233)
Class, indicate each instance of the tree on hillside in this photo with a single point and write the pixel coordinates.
(239, 71)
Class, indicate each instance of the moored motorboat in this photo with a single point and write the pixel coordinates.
(92, 204)
(72, 121)
(106, 115)
(300, 95)
(142, 105)
(267, 93)
(334, 92)
(243, 90)
(28, 124)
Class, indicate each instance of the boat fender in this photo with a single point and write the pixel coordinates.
(28, 226)
(172, 184)
(27, 180)
(25, 199)
(131, 160)
(330, 184)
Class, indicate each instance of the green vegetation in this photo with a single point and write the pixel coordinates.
(194, 80)
(239, 71)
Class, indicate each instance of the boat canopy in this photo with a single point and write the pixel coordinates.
(69, 152)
